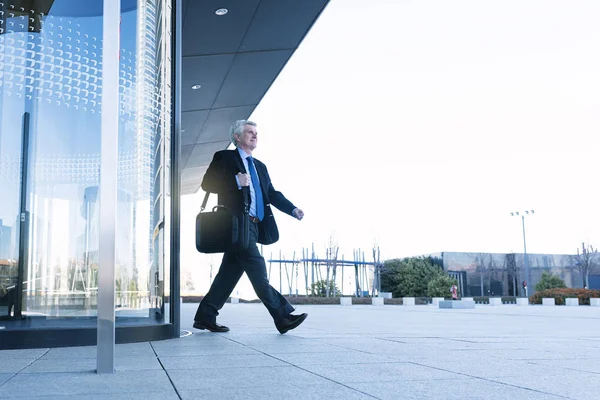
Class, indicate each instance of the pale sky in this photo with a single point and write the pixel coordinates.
(420, 125)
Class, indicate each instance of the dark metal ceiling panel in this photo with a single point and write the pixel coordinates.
(218, 123)
(207, 71)
(191, 125)
(250, 76)
(281, 24)
(204, 32)
(185, 7)
(235, 58)
(202, 153)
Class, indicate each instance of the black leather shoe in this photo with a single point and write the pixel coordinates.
(210, 326)
(290, 322)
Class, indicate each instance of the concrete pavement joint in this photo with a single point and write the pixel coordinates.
(458, 373)
(563, 367)
(166, 372)
(534, 316)
(491, 380)
(21, 370)
(305, 370)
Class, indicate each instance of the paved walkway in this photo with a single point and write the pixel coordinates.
(357, 352)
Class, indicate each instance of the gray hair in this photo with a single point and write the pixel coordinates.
(238, 128)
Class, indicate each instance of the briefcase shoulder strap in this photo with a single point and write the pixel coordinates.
(203, 206)
(245, 193)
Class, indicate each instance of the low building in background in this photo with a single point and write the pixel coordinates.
(503, 274)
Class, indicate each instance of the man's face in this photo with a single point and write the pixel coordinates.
(249, 138)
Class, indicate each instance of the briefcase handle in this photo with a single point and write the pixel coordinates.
(245, 193)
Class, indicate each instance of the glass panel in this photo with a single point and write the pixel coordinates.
(50, 70)
(14, 75)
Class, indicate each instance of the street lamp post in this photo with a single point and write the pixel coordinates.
(525, 261)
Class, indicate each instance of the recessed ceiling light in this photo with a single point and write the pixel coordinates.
(221, 11)
(196, 87)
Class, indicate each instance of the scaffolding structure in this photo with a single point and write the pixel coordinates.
(321, 274)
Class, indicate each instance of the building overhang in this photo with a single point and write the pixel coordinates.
(229, 63)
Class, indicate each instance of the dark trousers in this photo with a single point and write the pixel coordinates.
(232, 267)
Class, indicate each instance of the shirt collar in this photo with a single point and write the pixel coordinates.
(242, 153)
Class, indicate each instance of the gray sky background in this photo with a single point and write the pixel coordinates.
(420, 125)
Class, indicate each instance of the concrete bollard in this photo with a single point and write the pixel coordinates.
(436, 301)
(377, 301)
(522, 301)
(548, 301)
(495, 301)
(408, 301)
(456, 304)
(235, 300)
(467, 299)
(595, 302)
(572, 302)
(346, 301)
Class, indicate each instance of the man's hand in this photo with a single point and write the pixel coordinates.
(244, 179)
(298, 214)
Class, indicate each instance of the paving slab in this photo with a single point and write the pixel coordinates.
(358, 352)
(31, 354)
(386, 372)
(85, 383)
(334, 360)
(472, 389)
(567, 383)
(123, 350)
(587, 365)
(5, 377)
(220, 361)
(122, 363)
(240, 377)
(14, 365)
(325, 390)
(487, 367)
(155, 395)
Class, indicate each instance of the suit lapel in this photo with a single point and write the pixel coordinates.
(238, 162)
(262, 176)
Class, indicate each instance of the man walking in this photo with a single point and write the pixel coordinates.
(229, 171)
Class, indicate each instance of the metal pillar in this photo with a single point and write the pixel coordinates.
(525, 261)
(24, 220)
(175, 296)
(108, 186)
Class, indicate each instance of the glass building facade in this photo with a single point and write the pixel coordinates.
(499, 274)
(50, 136)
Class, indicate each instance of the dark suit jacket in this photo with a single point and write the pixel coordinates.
(220, 179)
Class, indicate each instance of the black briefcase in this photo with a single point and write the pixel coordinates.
(222, 230)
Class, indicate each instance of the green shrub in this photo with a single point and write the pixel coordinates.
(319, 289)
(549, 281)
(409, 277)
(440, 286)
(560, 294)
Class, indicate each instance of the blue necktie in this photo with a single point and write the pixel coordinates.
(260, 210)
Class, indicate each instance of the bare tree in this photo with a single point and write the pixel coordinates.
(481, 267)
(491, 268)
(189, 280)
(376, 270)
(586, 261)
(332, 255)
(512, 270)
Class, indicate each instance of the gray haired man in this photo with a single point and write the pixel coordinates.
(229, 171)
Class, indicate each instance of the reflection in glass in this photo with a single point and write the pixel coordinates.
(50, 70)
